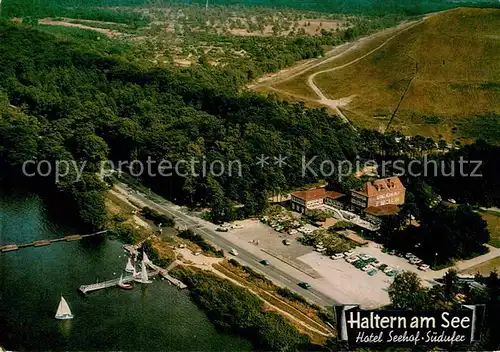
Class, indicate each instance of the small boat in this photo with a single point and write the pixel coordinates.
(63, 311)
(123, 285)
(143, 275)
(129, 268)
(145, 258)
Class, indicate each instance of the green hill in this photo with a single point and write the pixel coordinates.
(453, 60)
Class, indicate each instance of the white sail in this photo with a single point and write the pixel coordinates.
(144, 272)
(143, 275)
(129, 268)
(63, 311)
(145, 258)
(121, 280)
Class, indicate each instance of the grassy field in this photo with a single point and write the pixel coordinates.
(454, 93)
(298, 86)
(484, 268)
(493, 220)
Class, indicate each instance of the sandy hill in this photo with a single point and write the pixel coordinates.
(453, 61)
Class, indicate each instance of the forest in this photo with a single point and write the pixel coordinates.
(409, 293)
(64, 100)
(21, 8)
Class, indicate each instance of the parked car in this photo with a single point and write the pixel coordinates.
(197, 253)
(264, 262)
(452, 201)
(350, 259)
(226, 224)
(304, 285)
(222, 229)
(416, 261)
(423, 267)
(233, 251)
(409, 255)
(237, 226)
(320, 249)
(388, 269)
(287, 242)
(337, 256)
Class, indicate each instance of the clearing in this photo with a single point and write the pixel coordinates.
(484, 268)
(493, 220)
(449, 57)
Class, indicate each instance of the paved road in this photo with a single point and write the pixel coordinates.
(203, 228)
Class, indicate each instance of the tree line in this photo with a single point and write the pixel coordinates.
(408, 293)
(66, 100)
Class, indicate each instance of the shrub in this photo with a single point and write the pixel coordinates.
(200, 241)
(154, 255)
(234, 308)
(157, 218)
(124, 232)
(286, 293)
(120, 217)
(234, 262)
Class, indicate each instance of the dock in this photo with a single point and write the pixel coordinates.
(166, 275)
(110, 283)
(42, 243)
(155, 270)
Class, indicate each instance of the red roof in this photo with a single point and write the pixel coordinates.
(311, 194)
(353, 236)
(388, 209)
(381, 186)
(334, 195)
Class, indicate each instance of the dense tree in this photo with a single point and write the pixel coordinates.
(407, 292)
(234, 308)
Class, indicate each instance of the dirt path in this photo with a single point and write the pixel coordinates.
(108, 32)
(466, 264)
(335, 104)
(270, 305)
(333, 54)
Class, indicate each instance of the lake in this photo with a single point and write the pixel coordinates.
(157, 316)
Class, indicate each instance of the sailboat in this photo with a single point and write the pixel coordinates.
(129, 268)
(63, 311)
(143, 276)
(123, 285)
(145, 258)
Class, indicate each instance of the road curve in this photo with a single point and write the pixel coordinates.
(277, 275)
(321, 98)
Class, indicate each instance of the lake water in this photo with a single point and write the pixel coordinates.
(150, 317)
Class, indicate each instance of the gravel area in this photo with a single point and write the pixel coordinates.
(346, 284)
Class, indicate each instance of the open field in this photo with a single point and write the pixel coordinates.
(485, 268)
(296, 83)
(451, 60)
(493, 220)
(182, 34)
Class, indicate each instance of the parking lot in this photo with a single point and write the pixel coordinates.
(400, 264)
(266, 237)
(346, 284)
(337, 278)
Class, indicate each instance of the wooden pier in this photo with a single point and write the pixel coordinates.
(165, 274)
(110, 283)
(155, 271)
(41, 243)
